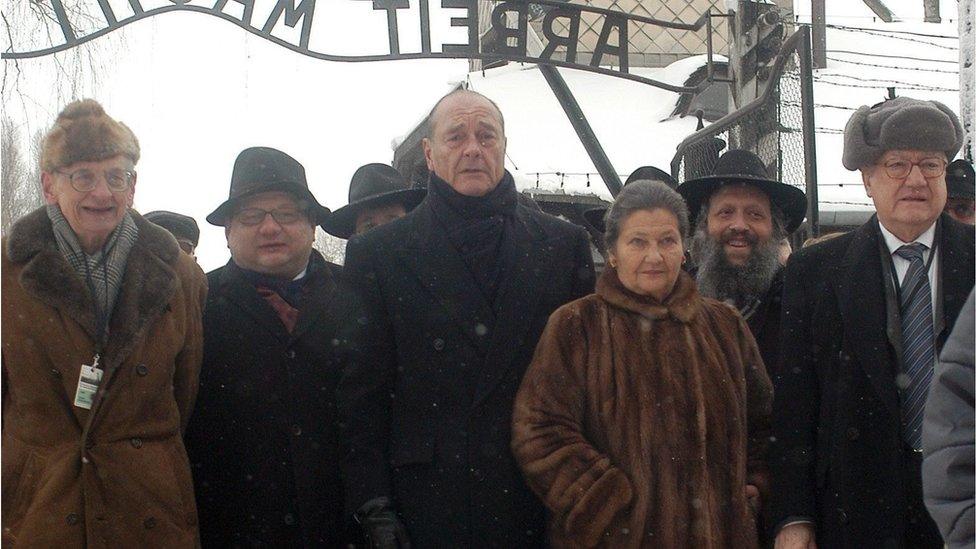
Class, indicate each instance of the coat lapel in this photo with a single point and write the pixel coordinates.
(518, 298)
(238, 290)
(861, 301)
(317, 299)
(47, 276)
(441, 270)
(955, 272)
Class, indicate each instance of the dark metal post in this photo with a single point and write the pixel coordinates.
(819, 34)
(582, 127)
(809, 133)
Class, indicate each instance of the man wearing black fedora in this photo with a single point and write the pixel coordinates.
(961, 195)
(441, 312)
(378, 194)
(740, 216)
(183, 228)
(262, 440)
(865, 316)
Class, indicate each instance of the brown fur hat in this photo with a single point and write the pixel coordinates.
(83, 132)
(900, 123)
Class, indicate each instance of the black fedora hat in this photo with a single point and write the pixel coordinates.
(595, 216)
(744, 167)
(960, 179)
(263, 169)
(179, 225)
(371, 186)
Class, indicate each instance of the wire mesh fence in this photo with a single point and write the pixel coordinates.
(777, 126)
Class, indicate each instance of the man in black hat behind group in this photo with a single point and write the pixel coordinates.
(262, 440)
(378, 194)
(961, 195)
(183, 228)
(741, 216)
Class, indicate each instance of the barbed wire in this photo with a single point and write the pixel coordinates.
(898, 83)
(885, 56)
(892, 31)
(901, 85)
(918, 69)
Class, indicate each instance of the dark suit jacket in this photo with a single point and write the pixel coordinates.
(838, 454)
(262, 440)
(430, 372)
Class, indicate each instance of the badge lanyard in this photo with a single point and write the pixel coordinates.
(90, 376)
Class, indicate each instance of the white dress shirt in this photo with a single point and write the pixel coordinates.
(901, 264)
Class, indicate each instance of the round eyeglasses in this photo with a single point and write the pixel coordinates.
(929, 168)
(255, 216)
(85, 181)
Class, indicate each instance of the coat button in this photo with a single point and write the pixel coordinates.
(149, 523)
(291, 354)
(842, 516)
(55, 372)
(142, 370)
(853, 433)
(289, 519)
(296, 430)
(438, 344)
(72, 519)
(89, 444)
(136, 442)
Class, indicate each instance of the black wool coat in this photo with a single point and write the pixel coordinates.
(837, 454)
(262, 440)
(431, 368)
(764, 323)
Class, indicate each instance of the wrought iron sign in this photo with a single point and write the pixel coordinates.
(509, 41)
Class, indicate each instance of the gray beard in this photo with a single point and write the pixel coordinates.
(739, 285)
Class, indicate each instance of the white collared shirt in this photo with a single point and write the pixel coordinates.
(901, 264)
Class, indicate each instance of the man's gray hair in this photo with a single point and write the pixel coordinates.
(643, 195)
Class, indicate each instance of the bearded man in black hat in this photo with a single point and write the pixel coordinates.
(741, 216)
(864, 318)
(441, 312)
(263, 441)
(961, 196)
(378, 194)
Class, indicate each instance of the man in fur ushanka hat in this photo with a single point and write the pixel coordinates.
(864, 318)
(102, 344)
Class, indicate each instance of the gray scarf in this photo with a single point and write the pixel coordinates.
(101, 271)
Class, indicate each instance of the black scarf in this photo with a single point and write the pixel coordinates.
(479, 227)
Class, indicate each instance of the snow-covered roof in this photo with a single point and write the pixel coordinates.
(634, 125)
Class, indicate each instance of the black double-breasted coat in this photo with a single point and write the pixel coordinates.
(431, 368)
(838, 454)
(262, 440)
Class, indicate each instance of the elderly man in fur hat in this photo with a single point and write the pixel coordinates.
(263, 439)
(864, 318)
(102, 343)
(741, 217)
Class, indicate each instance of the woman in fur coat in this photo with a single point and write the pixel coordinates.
(643, 418)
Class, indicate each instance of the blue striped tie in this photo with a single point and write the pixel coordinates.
(918, 341)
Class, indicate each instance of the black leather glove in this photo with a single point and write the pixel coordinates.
(381, 525)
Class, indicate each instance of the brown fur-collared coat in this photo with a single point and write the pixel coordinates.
(640, 424)
(118, 475)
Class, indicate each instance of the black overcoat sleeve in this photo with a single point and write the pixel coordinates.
(585, 279)
(796, 401)
(366, 355)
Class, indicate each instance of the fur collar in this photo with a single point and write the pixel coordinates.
(683, 304)
(148, 284)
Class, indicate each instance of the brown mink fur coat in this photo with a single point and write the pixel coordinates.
(639, 424)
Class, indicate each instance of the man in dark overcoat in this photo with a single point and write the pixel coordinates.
(741, 215)
(263, 441)
(442, 311)
(864, 316)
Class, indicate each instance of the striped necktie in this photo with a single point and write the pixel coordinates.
(918, 341)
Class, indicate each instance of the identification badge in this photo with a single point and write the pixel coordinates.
(88, 382)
